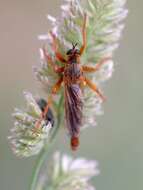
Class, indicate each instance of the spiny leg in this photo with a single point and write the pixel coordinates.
(97, 66)
(94, 88)
(57, 53)
(52, 64)
(83, 35)
(54, 90)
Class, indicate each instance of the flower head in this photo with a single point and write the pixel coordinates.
(26, 142)
(104, 28)
(67, 173)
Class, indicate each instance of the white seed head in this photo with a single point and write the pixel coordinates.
(104, 29)
(24, 140)
(68, 173)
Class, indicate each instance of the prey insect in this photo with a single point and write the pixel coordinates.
(71, 74)
(49, 117)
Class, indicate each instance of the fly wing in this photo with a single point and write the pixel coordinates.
(73, 108)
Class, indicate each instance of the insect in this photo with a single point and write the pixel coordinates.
(49, 117)
(71, 74)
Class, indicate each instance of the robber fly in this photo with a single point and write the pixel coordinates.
(73, 78)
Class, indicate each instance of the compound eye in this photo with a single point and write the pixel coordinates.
(69, 52)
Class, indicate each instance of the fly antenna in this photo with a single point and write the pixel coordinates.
(74, 45)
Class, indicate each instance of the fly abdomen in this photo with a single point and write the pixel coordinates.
(73, 112)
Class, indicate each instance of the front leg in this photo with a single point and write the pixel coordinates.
(52, 64)
(57, 53)
(83, 35)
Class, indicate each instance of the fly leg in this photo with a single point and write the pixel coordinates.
(83, 35)
(54, 90)
(58, 55)
(51, 63)
(97, 66)
(94, 88)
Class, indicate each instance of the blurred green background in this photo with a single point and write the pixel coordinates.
(117, 142)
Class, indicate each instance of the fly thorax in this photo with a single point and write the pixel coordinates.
(72, 72)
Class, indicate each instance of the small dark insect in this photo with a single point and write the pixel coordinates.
(73, 78)
(49, 117)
